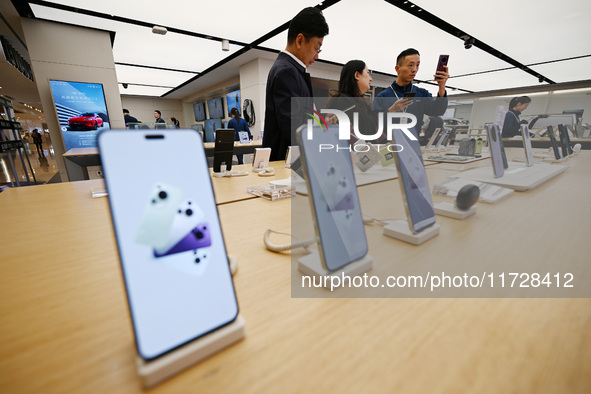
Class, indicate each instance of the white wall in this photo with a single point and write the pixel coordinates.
(253, 85)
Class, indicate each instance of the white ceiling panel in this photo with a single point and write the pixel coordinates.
(527, 30)
(231, 19)
(372, 30)
(505, 79)
(388, 32)
(135, 90)
(138, 75)
(566, 71)
(138, 45)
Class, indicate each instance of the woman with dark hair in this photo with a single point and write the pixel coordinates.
(354, 82)
(512, 123)
(175, 122)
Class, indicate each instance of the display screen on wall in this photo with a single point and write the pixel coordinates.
(199, 110)
(81, 110)
(211, 125)
(233, 101)
(215, 108)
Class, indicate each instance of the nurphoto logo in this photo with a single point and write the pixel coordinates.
(406, 122)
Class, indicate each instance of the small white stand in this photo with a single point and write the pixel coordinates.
(311, 265)
(554, 160)
(222, 172)
(233, 264)
(449, 209)
(153, 372)
(229, 174)
(399, 229)
(261, 167)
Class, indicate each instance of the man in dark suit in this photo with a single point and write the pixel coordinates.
(288, 78)
(128, 118)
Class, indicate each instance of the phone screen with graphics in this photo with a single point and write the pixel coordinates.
(529, 156)
(333, 197)
(495, 148)
(413, 181)
(553, 143)
(172, 253)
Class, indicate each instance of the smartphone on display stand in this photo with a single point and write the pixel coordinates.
(442, 62)
(564, 140)
(442, 136)
(494, 146)
(171, 248)
(413, 182)
(553, 143)
(433, 137)
(223, 150)
(332, 193)
(529, 156)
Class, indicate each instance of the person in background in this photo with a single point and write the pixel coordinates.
(354, 82)
(512, 123)
(288, 79)
(175, 122)
(38, 140)
(158, 117)
(238, 124)
(392, 98)
(128, 118)
(432, 123)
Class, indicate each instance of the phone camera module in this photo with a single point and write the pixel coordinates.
(162, 195)
(198, 234)
(189, 212)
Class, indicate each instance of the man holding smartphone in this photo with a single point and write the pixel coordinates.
(288, 79)
(403, 96)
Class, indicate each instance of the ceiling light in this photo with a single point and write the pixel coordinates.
(159, 30)
(468, 42)
(225, 45)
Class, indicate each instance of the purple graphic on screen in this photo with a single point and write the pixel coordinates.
(198, 238)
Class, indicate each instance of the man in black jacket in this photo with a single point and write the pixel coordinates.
(288, 78)
(128, 118)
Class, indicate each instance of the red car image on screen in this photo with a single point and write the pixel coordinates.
(85, 121)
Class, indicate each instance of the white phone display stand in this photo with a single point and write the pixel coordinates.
(399, 229)
(222, 172)
(311, 265)
(233, 264)
(225, 173)
(164, 367)
(552, 159)
(449, 209)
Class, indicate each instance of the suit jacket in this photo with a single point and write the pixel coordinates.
(286, 79)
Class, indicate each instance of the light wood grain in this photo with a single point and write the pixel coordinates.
(66, 328)
(232, 189)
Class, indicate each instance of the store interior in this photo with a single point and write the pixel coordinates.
(70, 69)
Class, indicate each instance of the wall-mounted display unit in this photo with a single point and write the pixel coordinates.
(199, 110)
(81, 110)
(216, 108)
(233, 101)
(211, 125)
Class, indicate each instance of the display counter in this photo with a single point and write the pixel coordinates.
(66, 325)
